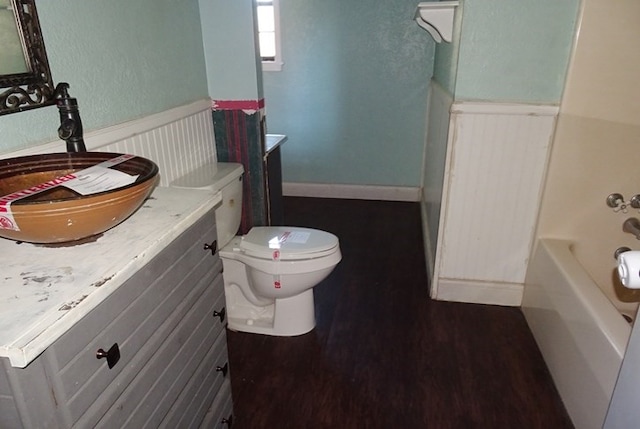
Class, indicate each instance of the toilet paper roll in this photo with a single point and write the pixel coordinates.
(629, 269)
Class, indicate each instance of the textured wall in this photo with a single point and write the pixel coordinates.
(231, 49)
(515, 51)
(445, 65)
(353, 92)
(123, 59)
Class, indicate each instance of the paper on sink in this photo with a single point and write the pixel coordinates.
(92, 180)
(97, 179)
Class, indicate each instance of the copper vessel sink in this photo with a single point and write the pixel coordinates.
(37, 204)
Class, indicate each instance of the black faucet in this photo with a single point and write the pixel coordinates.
(70, 123)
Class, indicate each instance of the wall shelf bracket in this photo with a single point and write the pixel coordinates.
(436, 17)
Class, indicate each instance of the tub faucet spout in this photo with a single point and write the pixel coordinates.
(632, 226)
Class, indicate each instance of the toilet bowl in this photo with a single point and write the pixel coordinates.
(270, 272)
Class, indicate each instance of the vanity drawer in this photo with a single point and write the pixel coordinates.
(141, 293)
(154, 390)
(191, 406)
(138, 316)
(8, 411)
(220, 414)
(87, 377)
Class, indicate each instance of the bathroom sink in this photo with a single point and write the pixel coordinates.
(64, 197)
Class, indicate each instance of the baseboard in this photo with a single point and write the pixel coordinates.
(427, 242)
(355, 192)
(476, 292)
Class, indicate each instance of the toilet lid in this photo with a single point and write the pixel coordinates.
(288, 243)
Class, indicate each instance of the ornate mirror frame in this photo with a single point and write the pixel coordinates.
(24, 91)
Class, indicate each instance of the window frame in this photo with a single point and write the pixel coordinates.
(277, 63)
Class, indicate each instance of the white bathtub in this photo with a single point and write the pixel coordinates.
(580, 332)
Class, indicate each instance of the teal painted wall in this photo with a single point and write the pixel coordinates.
(352, 95)
(445, 67)
(515, 51)
(123, 59)
(231, 49)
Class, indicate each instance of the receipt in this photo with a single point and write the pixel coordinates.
(98, 179)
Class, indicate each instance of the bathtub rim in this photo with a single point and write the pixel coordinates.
(593, 298)
(581, 335)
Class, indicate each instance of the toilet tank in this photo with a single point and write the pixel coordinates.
(227, 178)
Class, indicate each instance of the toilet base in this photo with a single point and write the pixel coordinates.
(286, 317)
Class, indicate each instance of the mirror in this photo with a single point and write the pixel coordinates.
(25, 78)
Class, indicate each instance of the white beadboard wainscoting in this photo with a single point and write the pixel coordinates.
(494, 171)
(178, 140)
(438, 118)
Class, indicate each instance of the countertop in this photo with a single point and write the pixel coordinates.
(44, 291)
(274, 141)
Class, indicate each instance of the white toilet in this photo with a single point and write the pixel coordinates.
(269, 274)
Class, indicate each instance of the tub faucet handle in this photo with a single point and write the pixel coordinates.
(614, 200)
(617, 203)
(635, 201)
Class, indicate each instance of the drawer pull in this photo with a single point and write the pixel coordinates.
(228, 421)
(223, 369)
(113, 355)
(220, 314)
(213, 247)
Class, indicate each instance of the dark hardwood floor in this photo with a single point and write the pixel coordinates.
(383, 355)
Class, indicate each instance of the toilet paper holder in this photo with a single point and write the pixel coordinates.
(628, 268)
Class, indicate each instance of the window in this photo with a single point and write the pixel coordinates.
(269, 34)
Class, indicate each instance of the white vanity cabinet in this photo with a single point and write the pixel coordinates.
(167, 321)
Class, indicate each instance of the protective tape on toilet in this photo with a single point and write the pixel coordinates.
(297, 237)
